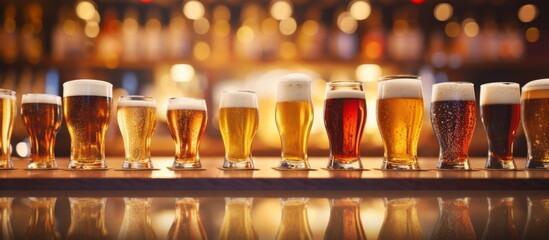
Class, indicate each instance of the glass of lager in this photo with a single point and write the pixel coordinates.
(7, 98)
(136, 117)
(187, 120)
(453, 116)
(400, 118)
(535, 120)
(500, 115)
(294, 118)
(87, 110)
(238, 122)
(344, 119)
(42, 116)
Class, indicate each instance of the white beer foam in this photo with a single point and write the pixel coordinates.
(452, 91)
(5, 93)
(539, 84)
(499, 93)
(87, 87)
(399, 88)
(186, 104)
(40, 98)
(295, 87)
(345, 94)
(243, 99)
(127, 102)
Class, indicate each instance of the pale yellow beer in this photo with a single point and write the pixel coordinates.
(87, 111)
(7, 102)
(535, 120)
(238, 122)
(294, 118)
(137, 121)
(400, 118)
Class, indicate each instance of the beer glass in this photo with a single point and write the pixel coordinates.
(237, 222)
(136, 117)
(187, 119)
(87, 110)
(294, 118)
(401, 220)
(238, 121)
(453, 116)
(454, 221)
(535, 115)
(400, 118)
(344, 119)
(87, 219)
(42, 116)
(294, 223)
(500, 115)
(345, 221)
(7, 100)
(187, 223)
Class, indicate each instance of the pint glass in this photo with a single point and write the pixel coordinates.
(400, 118)
(535, 120)
(294, 118)
(238, 122)
(7, 102)
(136, 117)
(344, 119)
(42, 116)
(87, 110)
(500, 115)
(453, 116)
(187, 119)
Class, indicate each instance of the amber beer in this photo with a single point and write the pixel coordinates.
(187, 120)
(7, 102)
(344, 119)
(400, 118)
(500, 114)
(535, 120)
(136, 117)
(41, 114)
(87, 110)
(453, 116)
(238, 122)
(294, 118)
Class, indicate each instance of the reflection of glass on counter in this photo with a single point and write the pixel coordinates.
(295, 221)
(237, 222)
(538, 219)
(5, 215)
(87, 219)
(42, 221)
(137, 220)
(345, 222)
(454, 221)
(187, 223)
(500, 219)
(401, 221)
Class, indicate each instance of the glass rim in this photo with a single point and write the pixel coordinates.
(87, 82)
(7, 92)
(345, 82)
(537, 84)
(40, 98)
(454, 83)
(238, 91)
(189, 98)
(399, 76)
(136, 98)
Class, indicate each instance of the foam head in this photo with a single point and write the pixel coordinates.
(295, 87)
(87, 87)
(40, 98)
(344, 89)
(453, 91)
(499, 93)
(539, 84)
(186, 104)
(239, 98)
(136, 101)
(6, 93)
(399, 88)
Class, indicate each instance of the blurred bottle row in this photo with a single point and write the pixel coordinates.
(344, 219)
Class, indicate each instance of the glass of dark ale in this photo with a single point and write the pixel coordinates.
(500, 115)
(344, 119)
(453, 117)
(535, 120)
(87, 111)
(7, 102)
(42, 116)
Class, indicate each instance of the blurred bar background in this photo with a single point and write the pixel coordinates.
(189, 48)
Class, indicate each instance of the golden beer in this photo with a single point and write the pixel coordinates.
(535, 115)
(41, 114)
(187, 120)
(7, 102)
(87, 219)
(237, 222)
(87, 110)
(137, 121)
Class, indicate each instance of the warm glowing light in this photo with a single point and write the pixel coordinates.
(69, 27)
(130, 26)
(532, 34)
(22, 149)
(85, 10)
(91, 29)
(281, 10)
(193, 10)
(9, 25)
(288, 50)
(245, 34)
(368, 72)
(528, 13)
(287, 26)
(359, 9)
(452, 29)
(443, 11)
(346, 23)
(400, 26)
(201, 51)
(201, 26)
(470, 27)
(269, 26)
(310, 27)
(182, 72)
(373, 50)
(222, 28)
(221, 13)
(153, 25)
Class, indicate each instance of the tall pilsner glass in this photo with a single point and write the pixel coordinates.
(535, 121)
(87, 111)
(7, 102)
(344, 118)
(294, 118)
(400, 118)
(453, 116)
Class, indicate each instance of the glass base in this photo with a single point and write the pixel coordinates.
(454, 165)
(335, 164)
(289, 164)
(84, 166)
(137, 165)
(35, 165)
(494, 163)
(6, 164)
(186, 164)
(396, 164)
(535, 164)
(248, 163)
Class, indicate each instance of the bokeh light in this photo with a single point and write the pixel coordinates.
(360, 9)
(443, 11)
(193, 10)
